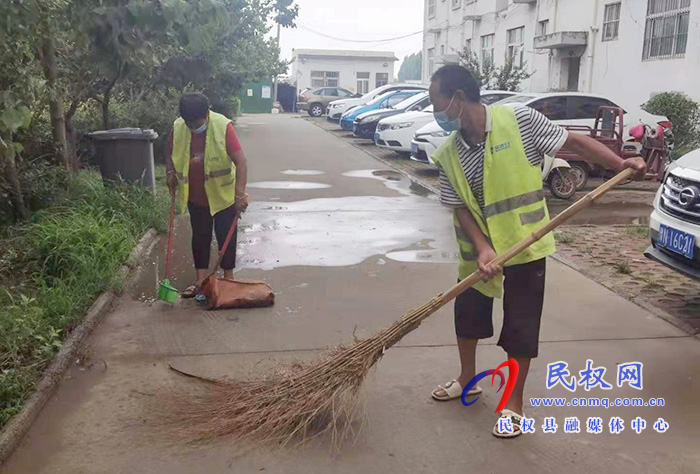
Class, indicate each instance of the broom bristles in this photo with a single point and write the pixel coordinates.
(296, 402)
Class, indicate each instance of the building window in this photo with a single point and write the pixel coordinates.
(611, 21)
(362, 82)
(468, 46)
(487, 49)
(431, 61)
(324, 78)
(456, 4)
(666, 32)
(542, 28)
(431, 8)
(515, 49)
(382, 79)
(442, 50)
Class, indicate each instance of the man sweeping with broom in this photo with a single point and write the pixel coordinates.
(207, 168)
(491, 175)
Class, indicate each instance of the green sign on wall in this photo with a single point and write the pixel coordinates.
(256, 98)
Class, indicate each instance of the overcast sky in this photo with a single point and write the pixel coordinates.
(356, 20)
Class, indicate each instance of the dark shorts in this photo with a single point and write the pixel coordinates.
(523, 298)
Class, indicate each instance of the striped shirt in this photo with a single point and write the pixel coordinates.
(540, 137)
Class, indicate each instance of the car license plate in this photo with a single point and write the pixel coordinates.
(414, 149)
(376, 137)
(677, 241)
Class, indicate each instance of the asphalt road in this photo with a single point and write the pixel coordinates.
(348, 251)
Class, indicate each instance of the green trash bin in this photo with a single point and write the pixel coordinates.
(126, 154)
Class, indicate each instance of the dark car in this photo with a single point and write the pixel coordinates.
(365, 125)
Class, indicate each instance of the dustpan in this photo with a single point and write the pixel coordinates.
(222, 293)
(165, 291)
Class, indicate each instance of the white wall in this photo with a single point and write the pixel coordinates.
(617, 68)
(347, 67)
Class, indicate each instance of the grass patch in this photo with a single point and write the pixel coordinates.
(641, 231)
(623, 267)
(564, 238)
(53, 267)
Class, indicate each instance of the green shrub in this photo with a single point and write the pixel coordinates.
(683, 111)
(64, 257)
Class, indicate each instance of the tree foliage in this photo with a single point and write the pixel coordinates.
(506, 78)
(412, 68)
(683, 112)
(71, 57)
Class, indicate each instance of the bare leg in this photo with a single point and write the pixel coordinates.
(228, 274)
(201, 276)
(467, 358)
(516, 399)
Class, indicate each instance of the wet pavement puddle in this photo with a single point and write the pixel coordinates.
(303, 172)
(287, 185)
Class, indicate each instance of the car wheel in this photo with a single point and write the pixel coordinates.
(580, 172)
(562, 183)
(316, 110)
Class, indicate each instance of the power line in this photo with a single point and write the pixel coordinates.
(385, 40)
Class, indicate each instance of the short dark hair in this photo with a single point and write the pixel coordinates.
(194, 107)
(453, 78)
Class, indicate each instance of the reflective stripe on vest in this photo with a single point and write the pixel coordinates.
(219, 170)
(514, 204)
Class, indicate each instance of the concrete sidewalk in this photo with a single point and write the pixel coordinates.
(350, 250)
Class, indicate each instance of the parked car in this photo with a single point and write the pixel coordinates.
(384, 101)
(315, 101)
(396, 132)
(563, 108)
(675, 221)
(338, 107)
(365, 124)
(429, 137)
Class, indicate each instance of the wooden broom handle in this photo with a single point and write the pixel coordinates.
(581, 204)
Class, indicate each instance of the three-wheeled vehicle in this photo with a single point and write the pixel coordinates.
(609, 129)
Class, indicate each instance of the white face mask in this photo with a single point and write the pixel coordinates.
(201, 129)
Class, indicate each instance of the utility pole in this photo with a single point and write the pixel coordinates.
(274, 80)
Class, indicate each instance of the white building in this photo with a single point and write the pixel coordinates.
(356, 71)
(627, 50)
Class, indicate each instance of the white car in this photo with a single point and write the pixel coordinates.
(563, 108)
(430, 136)
(338, 107)
(396, 132)
(675, 221)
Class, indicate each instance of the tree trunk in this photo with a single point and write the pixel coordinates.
(47, 56)
(70, 135)
(21, 211)
(105, 102)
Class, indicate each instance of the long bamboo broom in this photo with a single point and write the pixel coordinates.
(307, 399)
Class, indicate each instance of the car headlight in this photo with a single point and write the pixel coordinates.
(372, 119)
(399, 126)
(439, 134)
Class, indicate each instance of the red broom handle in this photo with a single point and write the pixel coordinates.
(222, 252)
(170, 237)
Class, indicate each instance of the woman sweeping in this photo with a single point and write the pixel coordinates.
(207, 168)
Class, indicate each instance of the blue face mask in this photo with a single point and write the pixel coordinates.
(444, 120)
(201, 129)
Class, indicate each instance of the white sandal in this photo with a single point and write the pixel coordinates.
(453, 390)
(516, 422)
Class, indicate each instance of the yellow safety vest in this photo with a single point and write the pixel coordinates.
(219, 170)
(514, 203)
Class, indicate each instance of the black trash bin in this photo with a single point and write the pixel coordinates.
(126, 154)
